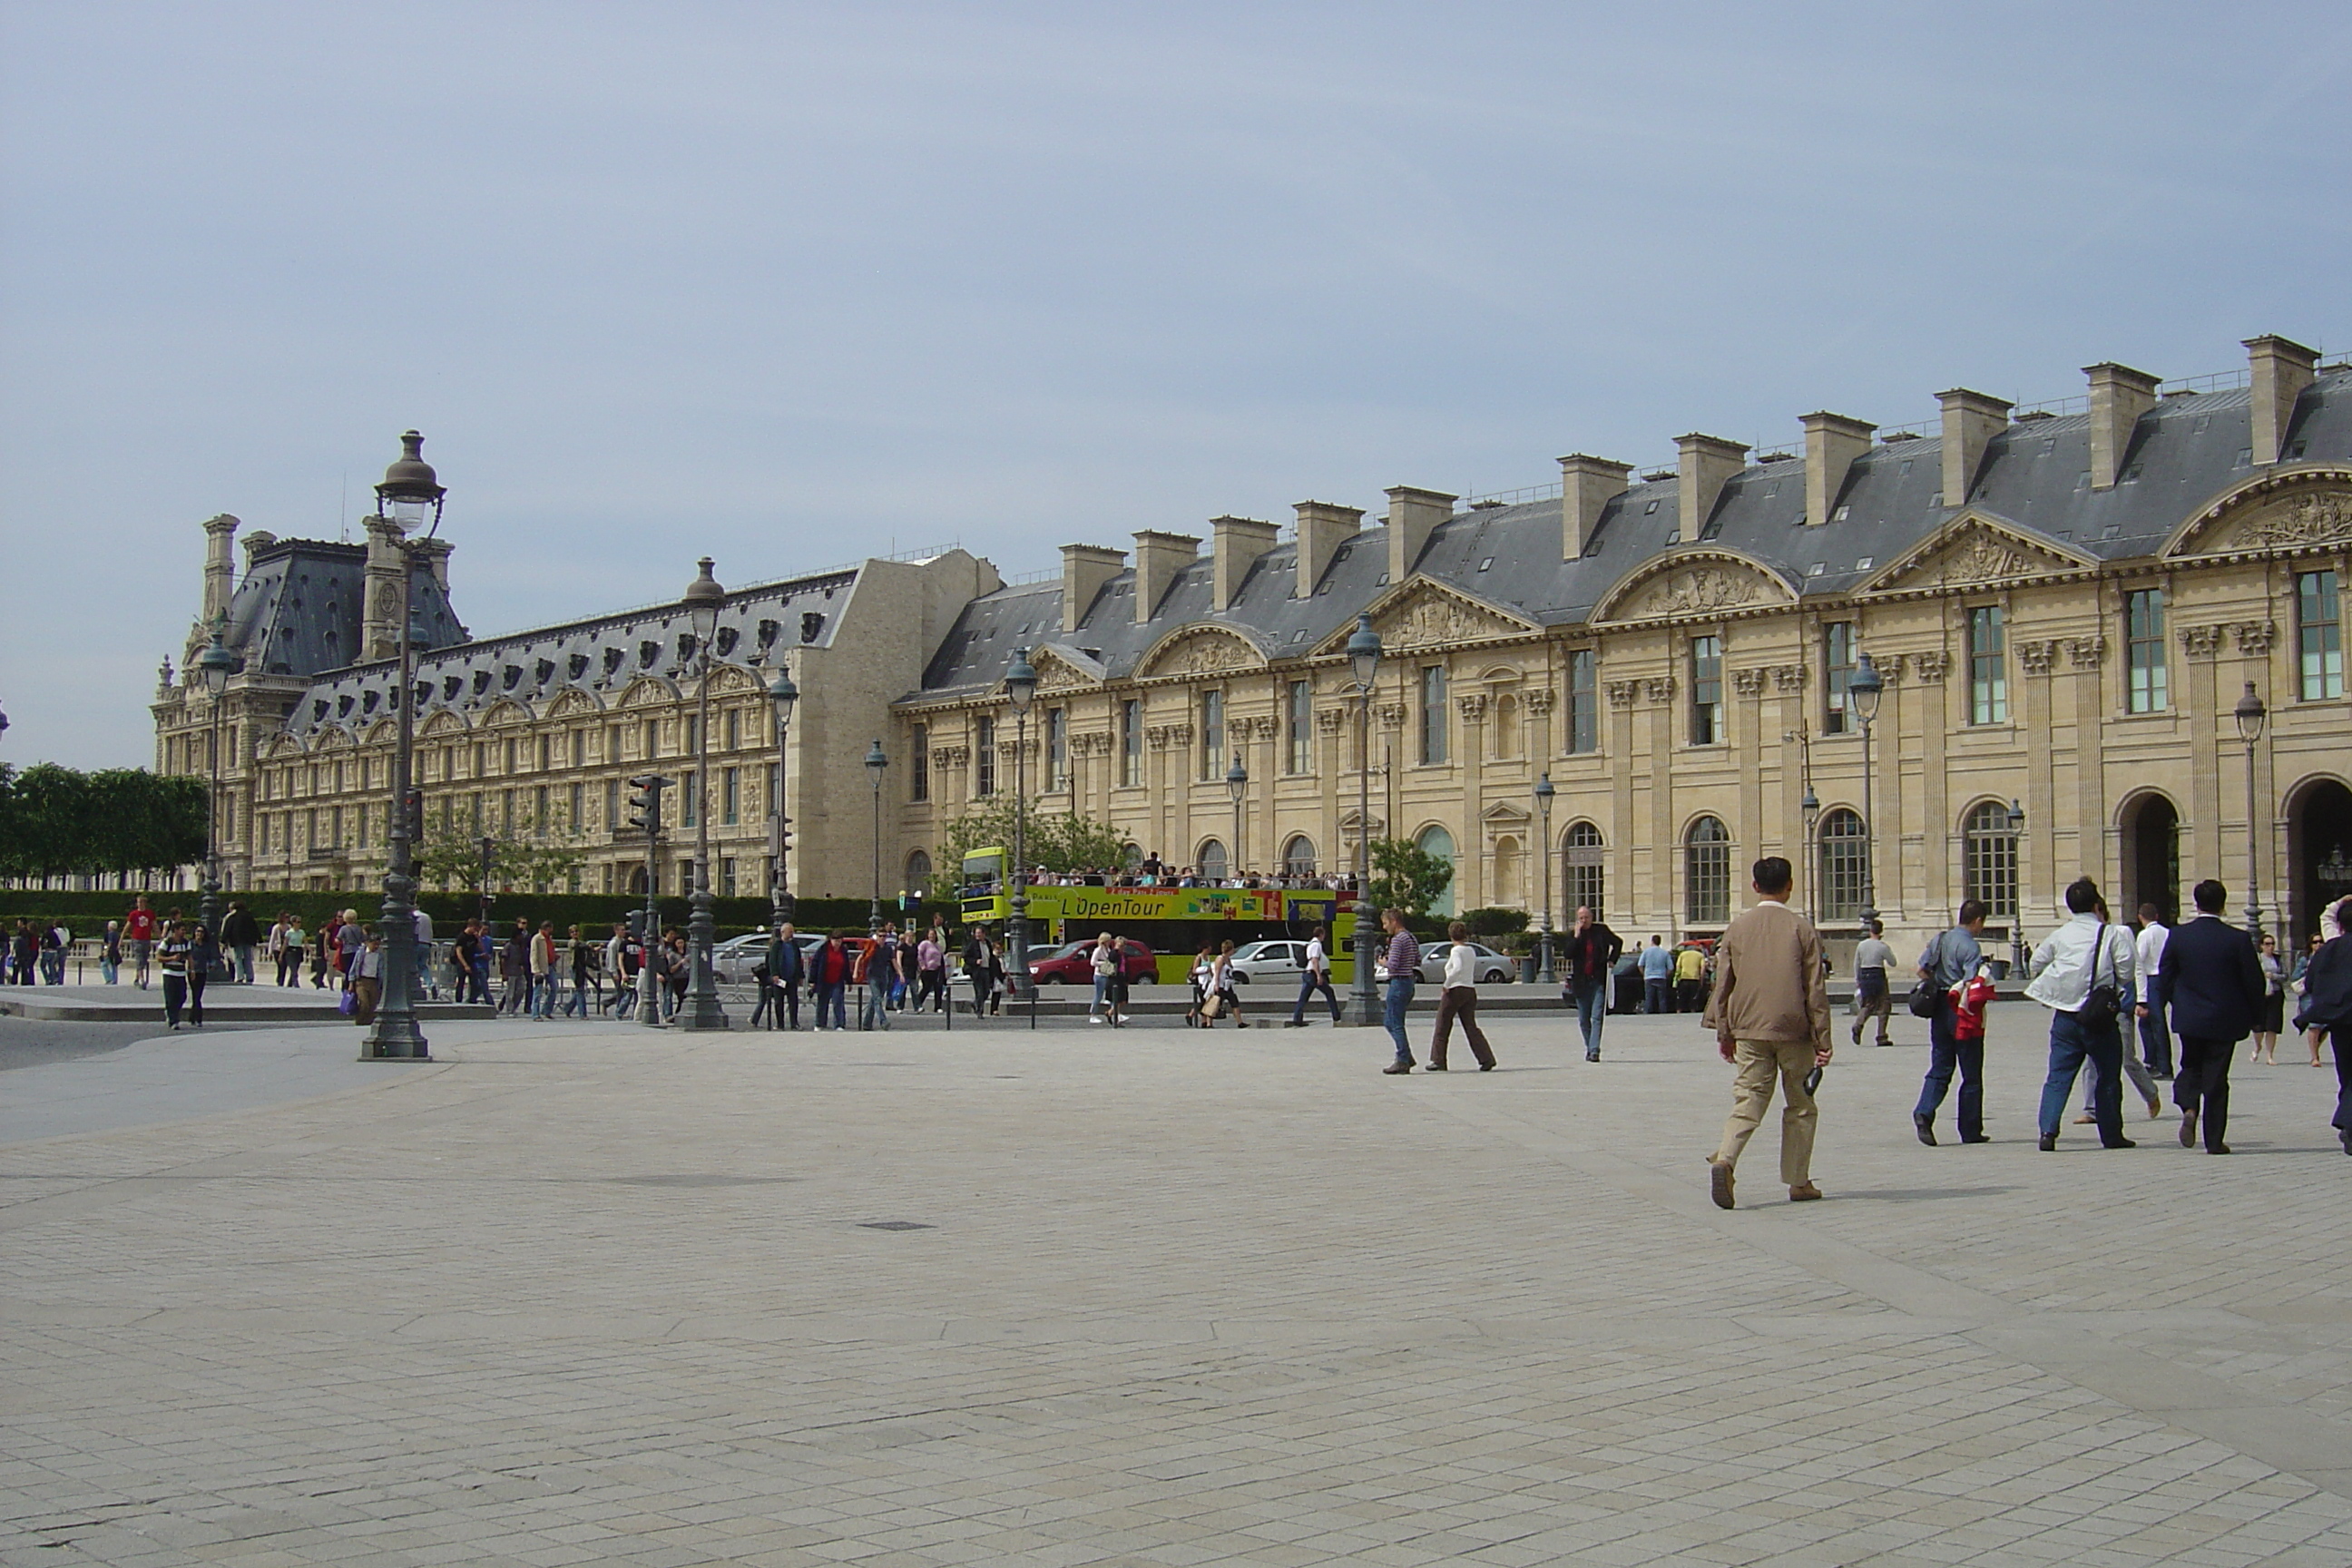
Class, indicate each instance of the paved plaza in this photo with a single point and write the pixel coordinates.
(1158, 1296)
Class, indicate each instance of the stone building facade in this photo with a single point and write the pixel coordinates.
(2066, 603)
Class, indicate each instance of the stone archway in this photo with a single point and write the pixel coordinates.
(2151, 857)
(2318, 853)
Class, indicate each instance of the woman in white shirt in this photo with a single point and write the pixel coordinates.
(1460, 1000)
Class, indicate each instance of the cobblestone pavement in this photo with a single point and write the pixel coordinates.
(1158, 1297)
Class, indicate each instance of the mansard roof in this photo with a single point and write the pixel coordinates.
(597, 657)
(296, 611)
(2035, 477)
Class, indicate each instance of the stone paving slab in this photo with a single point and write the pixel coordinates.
(608, 1295)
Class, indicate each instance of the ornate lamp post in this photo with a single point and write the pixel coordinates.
(1544, 792)
(1021, 687)
(1364, 664)
(701, 602)
(876, 761)
(214, 665)
(1237, 785)
(409, 497)
(2250, 714)
(2016, 925)
(1863, 690)
(782, 695)
(1812, 809)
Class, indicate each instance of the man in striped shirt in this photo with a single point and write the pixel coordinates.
(1405, 968)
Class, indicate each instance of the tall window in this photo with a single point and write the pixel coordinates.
(579, 818)
(1433, 714)
(1299, 722)
(579, 748)
(983, 756)
(734, 729)
(544, 746)
(771, 796)
(1130, 741)
(731, 796)
(1707, 872)
(1988, 667)
(1989, 857)
(1837, 664)
(1211, 861)
(1586, 883)
(1583, 725)
(1212, 734)
(1057, 749)
(1298, 855)
(612, 805)
(1707, 690)
(2318, 635)
(1845, 859)
(2144, 651)
(918, 871)
(651, 739)
(918, 782)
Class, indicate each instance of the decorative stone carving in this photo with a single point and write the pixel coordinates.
(1156, 737)
(2200, 642)
(1328, 720)
(1981, 558)
(1205, 653)
(1391, 715)
(1267, 727)
(1180, 735)
(2312, 520)
(1621, 693)
(2035, 657)
(1748, 682)
(1540, 702)
(2086, 653)
(2254, 636)
(1931, 668)
(951, 756)
(1473, 705)
(1791, 677)
(1659, 687)
(1697, 590)
(1431, 619)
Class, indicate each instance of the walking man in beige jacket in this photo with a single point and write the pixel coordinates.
(1770, 1013)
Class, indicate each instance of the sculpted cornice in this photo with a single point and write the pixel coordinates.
(1423, 612)
(1976, 549)
(2290, 508)
(1702, 582)
(1200, 649)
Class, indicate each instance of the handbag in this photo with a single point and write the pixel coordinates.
(1927, 995)
(346, 1003)
(2103, 1005)
(1213, 1006)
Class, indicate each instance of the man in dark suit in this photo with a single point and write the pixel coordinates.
(2213, 984)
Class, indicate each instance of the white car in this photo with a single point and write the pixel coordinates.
(1276, 962)
(1491, 967)
(734, 960)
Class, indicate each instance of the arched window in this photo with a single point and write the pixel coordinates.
(1706, 873)
(1130, 855)
(1210, 859)
(1510, 873)
(918, 871)
(1844, 860)
(1581, 859)
(1298, 855)
(1436, 841)
(1988, 860)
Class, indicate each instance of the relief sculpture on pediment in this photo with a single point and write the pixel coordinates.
(2310, 518)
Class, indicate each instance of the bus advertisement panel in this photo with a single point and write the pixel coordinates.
(1172, 921)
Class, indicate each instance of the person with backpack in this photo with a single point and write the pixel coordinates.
(1946, 964)
(2082, 972)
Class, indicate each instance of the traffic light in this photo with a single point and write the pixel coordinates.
(644, 803)
(415, 803)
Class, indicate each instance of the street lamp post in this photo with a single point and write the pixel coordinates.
(214, 665)
(1811, 809)
(1544, 792)
(877, 761)
(782, 695)
(2016, 920)
(1364, 664)
(1020, 688)
(409, 497)
(1863, 690)
(701, 601)
(1237, 785)
(2250, 714)
(489, 865)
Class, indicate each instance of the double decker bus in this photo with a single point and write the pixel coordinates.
(1173, 922)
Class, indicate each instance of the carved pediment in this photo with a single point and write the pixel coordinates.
(1694, 583)
(2289, 511)
(1190, 652)
(1973, 552)
(1065, 670)
(1421, 613)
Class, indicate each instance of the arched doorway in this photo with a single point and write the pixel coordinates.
(2318, 853)
(2151, 835)
(1438, 842)
(1583, 875)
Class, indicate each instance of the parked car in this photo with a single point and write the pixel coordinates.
(1072, 963)
(734, 960)
(1492, 967)
(1275, 962)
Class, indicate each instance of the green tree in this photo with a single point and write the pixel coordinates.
(543, 852)
(1059, 841)
(1407, 877)
(58, 822)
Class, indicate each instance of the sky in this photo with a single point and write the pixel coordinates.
(788, 284)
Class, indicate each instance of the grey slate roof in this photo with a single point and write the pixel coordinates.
(2036, 474)
(296, 611)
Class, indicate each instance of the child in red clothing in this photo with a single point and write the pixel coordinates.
(1969, 998)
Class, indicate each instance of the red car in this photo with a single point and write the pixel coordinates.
(1073, 964)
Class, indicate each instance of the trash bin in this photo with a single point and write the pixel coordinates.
(1527, 969)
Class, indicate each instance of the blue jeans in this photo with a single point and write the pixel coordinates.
(2156, 1040)
(1102, 985)
(1311, 982)
(1399, 996)
(831, 998)
(1657, 995)
(1946, 1052)
(874, 1012)
(2069, 1043)
(543, 992)
(1592, 1007)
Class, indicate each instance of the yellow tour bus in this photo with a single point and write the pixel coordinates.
(1173, 922)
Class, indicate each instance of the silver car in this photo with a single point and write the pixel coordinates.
(1491, 968)
(1276, 962)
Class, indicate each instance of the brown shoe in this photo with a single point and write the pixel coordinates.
(1804, 1194)
(1719, 1182)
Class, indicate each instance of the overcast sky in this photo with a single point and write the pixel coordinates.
(788, 284)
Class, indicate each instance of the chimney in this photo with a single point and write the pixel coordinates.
(260, 540)
(1972, 419)
(2119, 396)
(1234, 545)
(1158, 557)
(220, 566)
(1705, 464)
(1586, 486)
(380, 595)
(1084, 569)
(437, 560)
(1322, 527)
(1833, 442)
(2281, 368)
(1413, 514)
